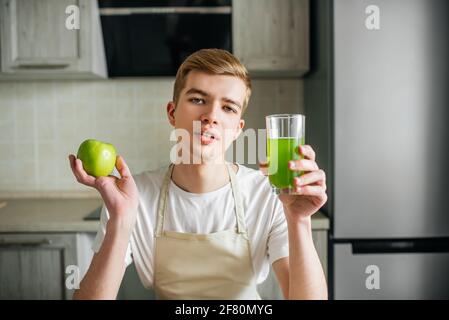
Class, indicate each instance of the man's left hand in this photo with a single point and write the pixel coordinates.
(309, 188)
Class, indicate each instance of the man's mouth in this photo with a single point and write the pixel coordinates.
(207, 138)
(208, 135)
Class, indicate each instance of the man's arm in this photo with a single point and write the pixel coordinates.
(301, 275)
(121, 198)
(305, 273)
(105, 274)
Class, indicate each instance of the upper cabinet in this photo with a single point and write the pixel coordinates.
(271, 37)
(36, 44)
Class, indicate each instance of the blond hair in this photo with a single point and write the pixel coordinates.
(213, 61)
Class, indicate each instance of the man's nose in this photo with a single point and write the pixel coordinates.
(210, 115)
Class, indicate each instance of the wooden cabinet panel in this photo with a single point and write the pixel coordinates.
(272, 35)
(33, 265)
(31, 273)
(35, 43)
(38, 35)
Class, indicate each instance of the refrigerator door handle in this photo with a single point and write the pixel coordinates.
(436, 245)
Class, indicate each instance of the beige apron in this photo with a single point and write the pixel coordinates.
(203, 266)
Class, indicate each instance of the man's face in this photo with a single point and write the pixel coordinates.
(215, 102)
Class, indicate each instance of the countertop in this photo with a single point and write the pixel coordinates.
(48, 215)
(66, 215)
(320, 221)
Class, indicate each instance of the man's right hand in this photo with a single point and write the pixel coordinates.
(120, 195)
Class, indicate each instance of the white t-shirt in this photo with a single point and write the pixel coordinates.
(206, 213)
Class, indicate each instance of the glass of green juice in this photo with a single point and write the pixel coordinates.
(285, 132)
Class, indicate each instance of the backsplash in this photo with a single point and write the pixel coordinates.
(42, 122)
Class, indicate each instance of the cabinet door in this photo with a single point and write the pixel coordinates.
(320, 242)
(35, 41)
(270, 289)
(35, 35)
(32, 266)
(272, 35)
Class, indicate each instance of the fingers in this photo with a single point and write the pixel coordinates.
(122, 167)
(295, 165)
(315, 177)
(312, 184)
(307, 151)
(79, 172)
(302, 165)
(263, 167)
(72, 159)
(315, 191)
(82, 175)
(306, 164)
(72, 163)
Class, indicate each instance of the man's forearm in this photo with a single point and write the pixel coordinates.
(306, 276)
(105, 274)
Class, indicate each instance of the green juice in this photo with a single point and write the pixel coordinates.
(279, 152)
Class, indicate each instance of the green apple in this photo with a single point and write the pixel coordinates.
(98, 157)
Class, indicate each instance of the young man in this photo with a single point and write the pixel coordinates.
(206, 230)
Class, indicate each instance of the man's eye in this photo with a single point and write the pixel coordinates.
(229, 109)
(197, 101)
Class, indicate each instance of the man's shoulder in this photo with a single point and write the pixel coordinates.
(249, 172)
(252, 178)
(150, 179)
(256, 189)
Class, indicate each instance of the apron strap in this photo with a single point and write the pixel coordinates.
(239, 212)
(163, 201)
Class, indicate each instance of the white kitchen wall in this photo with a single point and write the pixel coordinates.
(42, 122)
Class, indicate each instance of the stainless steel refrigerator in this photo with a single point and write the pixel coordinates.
(377, 106)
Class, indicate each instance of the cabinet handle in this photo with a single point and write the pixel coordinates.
(24, 242)
(41, 66)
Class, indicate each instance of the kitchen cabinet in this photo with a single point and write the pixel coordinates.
(36, 44)
(270, 289)
(34, 265)
(320, 237)
(271, 37)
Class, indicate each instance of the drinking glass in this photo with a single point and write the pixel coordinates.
(285, 132)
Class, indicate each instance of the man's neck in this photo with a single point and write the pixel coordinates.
(201, 178)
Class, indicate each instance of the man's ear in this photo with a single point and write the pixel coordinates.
(171, 108)
(240, 128)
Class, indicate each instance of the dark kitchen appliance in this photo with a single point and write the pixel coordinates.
(152, 38)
